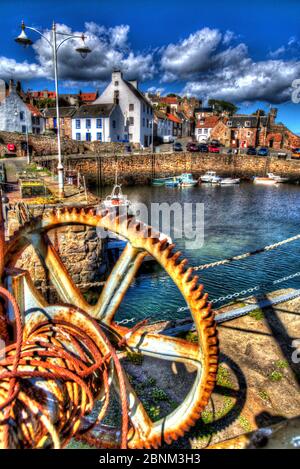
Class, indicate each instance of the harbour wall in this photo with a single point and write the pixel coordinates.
(141, 168)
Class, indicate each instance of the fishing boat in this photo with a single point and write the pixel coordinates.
(116, 199)
(265, 180)
(210, 177)
(174, 182)
(160, 181)
(277, 178)
(187, 180)
(229, 181)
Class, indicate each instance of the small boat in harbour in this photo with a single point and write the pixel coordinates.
(187, 180)
(265, 180)
(277, 178)
(229, 181)
(174, 182)
(210, 177)
(116, 199)
(159, 181)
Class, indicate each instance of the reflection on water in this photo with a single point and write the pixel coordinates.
(237, 219)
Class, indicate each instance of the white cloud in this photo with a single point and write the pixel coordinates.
(110, 49)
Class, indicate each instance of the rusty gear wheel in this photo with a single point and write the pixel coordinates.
(203, 356)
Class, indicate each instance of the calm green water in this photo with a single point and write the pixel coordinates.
(237, 219)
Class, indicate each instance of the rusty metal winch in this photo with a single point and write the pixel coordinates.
(59, 360)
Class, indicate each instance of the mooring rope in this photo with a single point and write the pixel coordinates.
(44, 356)
(246, 254)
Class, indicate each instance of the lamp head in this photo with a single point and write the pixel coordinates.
(22, 38)
(83, 50)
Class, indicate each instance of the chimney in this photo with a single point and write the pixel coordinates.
(134, 83)
(116, 76)
(11, 85)
(272, 115)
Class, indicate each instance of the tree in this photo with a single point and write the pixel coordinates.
(173, 95)
(220, 105)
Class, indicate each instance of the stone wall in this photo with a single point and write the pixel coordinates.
(47, 145)
(81, 251)
(140, 169)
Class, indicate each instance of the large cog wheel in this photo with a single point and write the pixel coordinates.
(144, 433)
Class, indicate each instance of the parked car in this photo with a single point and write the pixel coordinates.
(296, 153)
(192, 146)
(177, 146)
(203, 148)
(263, 151)
(213, 149)
(168, 139)
(251, 151)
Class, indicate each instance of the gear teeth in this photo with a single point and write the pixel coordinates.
(163, 244)
(176, 256)
(188, 274)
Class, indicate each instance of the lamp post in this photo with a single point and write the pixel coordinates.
(24, 40)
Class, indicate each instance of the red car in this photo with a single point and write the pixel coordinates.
(213, 149)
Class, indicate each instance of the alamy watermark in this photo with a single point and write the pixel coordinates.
(296, 91)
(174, 221)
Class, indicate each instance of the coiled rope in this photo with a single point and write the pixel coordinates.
(61, 353)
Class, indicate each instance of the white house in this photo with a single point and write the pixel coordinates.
(102, 122)
(17, 116)
(204, 126)
(136, 109)
(163, 127)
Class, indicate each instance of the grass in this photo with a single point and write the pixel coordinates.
(281, 364)
(223, 377)
(257, 314)
(244, 423)
(135, 358)
(264, 395)
(275, 376)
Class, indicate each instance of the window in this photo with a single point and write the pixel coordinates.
(77, 123)
(143, 121)
(131, 107)
(206, 131)
(147, 123)
(99, 123)
(22, 115)
(247, 124)
(116, 83)
(88, 137)
(99, 136)
(88, 123)
(78, 136)
(229, 123)
(114, 124)
(131, 120)
(248, 134)
(199, 131)
(24, 129)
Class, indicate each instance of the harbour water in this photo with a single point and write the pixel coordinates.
(237, 219)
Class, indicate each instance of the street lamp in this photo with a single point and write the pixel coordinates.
(24, 40)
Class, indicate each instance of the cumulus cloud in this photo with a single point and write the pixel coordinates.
(208, 63)
(214, 67)
(110, 49)
(268, 80)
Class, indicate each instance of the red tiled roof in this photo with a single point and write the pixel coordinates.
(173, 118)
(34, 110)
(207, 122)
(43, 94)
(88, 96)
(169, 100)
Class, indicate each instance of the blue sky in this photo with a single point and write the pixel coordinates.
(248, 53)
